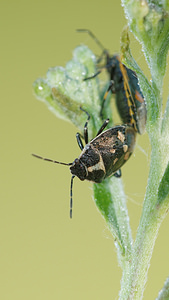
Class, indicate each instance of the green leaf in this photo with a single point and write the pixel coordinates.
(65, 91)
(111, 201)
(129, 60)
(149, 21)
(43, 92)
(165, 123)
(148, 91)
(163, 190)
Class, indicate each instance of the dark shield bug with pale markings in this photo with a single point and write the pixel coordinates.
(103, 156)
(124, 84)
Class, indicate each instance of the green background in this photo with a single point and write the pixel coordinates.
(43, 254)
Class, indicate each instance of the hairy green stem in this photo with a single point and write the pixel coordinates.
(154, 210)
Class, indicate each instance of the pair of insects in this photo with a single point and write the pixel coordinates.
(104, 155)
(124, 84)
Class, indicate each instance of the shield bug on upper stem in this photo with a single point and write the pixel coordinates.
(124, 83)
(103, 156)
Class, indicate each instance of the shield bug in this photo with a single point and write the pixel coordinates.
(124, 83)
(103, 156)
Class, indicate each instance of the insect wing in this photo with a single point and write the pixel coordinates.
(140, 106)
(115, 146)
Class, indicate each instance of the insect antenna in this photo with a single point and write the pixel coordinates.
(93, 37)
(71, 184)
(104, 53)
(71, 196)
(51, 160)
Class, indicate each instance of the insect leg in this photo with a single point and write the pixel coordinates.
(103, 54)
(93, 76)
(85, 126)
(103, 126)
(117, 174)
(105, 96)
(79, 140)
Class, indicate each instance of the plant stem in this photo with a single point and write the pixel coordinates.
(146, 235)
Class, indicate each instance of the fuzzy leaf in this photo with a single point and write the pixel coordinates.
(65, 91)
(43, 92)
(148, 91)
(164, 293)
(150, 24)
(163, 190)
(110, 200)
(165, 123)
